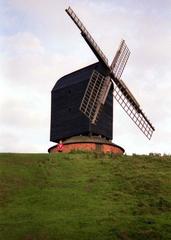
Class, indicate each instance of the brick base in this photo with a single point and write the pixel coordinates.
(85, 146)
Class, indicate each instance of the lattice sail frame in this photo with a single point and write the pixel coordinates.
(134, 113)
(120, 60)
(95, 96)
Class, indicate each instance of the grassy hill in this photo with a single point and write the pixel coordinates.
(83, 196)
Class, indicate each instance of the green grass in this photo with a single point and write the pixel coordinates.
(83, 196)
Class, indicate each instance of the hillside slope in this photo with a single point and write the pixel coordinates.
(83, 196)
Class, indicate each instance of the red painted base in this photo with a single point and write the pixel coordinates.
(92, 144)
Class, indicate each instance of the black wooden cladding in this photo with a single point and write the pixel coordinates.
(66, 118)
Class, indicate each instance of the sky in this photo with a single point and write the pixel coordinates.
(39, 43)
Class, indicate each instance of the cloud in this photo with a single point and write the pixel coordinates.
(23, 140)
(28, 73)
(21, 43)
(28, 63)
(21, 113)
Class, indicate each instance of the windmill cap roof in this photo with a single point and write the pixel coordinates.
(75, 77)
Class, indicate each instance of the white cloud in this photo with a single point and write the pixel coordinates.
(21, 43)
(28, 73)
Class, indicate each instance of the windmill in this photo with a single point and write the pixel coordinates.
(96, 105)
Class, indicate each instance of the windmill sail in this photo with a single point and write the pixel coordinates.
(89, 39)
(95, 96)
(132, 108)
(120, 60)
